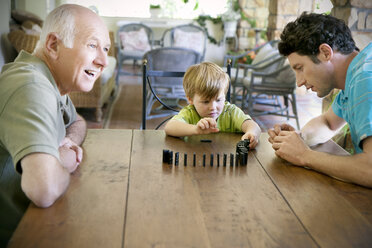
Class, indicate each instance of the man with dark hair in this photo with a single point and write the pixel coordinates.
(322, 52)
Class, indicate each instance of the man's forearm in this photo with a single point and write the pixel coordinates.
(77, 130)
(322, 128)
(316, 131)
(356, 168)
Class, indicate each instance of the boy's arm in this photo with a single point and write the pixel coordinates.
(180, 129)
(252, 132)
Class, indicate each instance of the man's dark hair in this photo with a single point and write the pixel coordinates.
(309, 31)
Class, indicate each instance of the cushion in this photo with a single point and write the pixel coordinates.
(21, 16)
(247, 80)
(32, 28)
(135, 40)
(287, 76)
(190, 40)
(265, 52)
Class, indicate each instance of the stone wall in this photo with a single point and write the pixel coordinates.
(284, 11)
(357, 14)
(258, 11)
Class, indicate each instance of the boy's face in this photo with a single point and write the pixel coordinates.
(211, 108)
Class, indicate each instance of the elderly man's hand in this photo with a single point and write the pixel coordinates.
(71, 154)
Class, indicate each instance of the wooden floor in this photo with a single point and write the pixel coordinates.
(125, 111)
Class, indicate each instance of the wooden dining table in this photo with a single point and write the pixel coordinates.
(123, 195)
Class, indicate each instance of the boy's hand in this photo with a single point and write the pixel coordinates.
(253, 140)
(206, 126)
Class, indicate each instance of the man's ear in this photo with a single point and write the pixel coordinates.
(52, 44)
(325, 52)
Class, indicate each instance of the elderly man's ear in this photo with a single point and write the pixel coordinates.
(52, 44)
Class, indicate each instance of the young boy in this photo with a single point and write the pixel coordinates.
(205, 86)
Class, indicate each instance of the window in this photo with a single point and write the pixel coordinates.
(170, 8)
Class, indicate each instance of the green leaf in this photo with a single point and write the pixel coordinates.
(196, 5)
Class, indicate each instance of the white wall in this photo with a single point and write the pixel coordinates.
(41, 8)
(37, 7)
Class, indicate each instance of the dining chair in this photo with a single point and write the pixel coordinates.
(135, 39)
(263, 54)
(163, 70)
(265, 89)
(187, 36)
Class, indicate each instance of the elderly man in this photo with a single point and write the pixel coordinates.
(323, 55)
(40, 131)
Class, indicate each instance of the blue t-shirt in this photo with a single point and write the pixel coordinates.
(354, 103)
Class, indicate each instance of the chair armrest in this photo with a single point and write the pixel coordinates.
(257, 66)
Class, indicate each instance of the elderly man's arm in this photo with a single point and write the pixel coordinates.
(75, 135)
(44, 179)
(77, 131)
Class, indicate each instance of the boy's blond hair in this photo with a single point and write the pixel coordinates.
(205, 79)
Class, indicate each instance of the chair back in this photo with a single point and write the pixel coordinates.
(134, 40)
(170, 59)
(163, 71)
(186, 36)
(281, 82)
(135, 37)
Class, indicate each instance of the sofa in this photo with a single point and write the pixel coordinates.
(104, 88)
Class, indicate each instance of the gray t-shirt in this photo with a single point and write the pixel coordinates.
(33, 118)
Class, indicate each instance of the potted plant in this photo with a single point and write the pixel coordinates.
(230, 18)
(155, 10)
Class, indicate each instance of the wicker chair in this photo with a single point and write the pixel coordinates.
(103, 88)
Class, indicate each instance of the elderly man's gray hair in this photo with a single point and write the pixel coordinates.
(61, 21)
